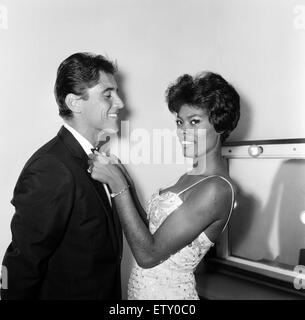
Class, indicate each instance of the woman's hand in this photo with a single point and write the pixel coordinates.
(105, 168)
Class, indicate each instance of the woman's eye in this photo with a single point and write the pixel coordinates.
(195, 121)
(178, 122)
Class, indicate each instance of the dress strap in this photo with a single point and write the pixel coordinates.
(223, 178)
(194, 184)
(173, 182)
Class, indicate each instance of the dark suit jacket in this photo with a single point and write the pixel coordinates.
(66, 239)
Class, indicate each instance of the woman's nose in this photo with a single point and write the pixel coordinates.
(187, 128)
(187, 133)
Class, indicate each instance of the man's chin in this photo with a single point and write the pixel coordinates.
(111, 130)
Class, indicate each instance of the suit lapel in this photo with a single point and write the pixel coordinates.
(80, 156)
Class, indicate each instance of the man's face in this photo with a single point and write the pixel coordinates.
(100, 110)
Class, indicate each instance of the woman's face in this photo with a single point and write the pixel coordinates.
(196, 134)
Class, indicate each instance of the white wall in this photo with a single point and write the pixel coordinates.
(258, 45)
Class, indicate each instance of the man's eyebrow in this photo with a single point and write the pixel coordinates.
(110, 89)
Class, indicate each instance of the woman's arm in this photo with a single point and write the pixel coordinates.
(134, 195)
(179, 229)
(115, 160)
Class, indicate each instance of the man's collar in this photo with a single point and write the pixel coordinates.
(85, 144)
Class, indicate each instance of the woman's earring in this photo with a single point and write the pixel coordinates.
(219, 134)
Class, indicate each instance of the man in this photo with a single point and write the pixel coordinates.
(66, 239)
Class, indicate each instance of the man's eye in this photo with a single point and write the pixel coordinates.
(178, 122)
(107, 94)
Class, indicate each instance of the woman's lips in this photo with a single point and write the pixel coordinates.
(187, 142)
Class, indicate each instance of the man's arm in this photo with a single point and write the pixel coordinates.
(43, 200)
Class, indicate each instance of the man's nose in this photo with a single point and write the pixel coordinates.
(118, 103)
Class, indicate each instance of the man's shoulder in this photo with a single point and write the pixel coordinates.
(48, 153)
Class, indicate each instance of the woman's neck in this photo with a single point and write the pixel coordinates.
(208, 164)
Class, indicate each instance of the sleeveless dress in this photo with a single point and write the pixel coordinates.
(172, 279)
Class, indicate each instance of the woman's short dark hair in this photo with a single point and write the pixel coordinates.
(76, 74)
(211, 92)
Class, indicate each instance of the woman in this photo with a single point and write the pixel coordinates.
(186, 218)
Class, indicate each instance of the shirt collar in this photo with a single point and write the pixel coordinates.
(85, 144)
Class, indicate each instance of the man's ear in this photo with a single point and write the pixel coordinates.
(73, 102)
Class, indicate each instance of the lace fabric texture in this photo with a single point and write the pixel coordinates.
(173, 279)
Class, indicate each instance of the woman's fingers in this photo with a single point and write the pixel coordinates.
(114, 159)
(103, 159)
(102, 166)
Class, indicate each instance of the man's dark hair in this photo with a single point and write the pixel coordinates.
(76, 74)
(210, 92)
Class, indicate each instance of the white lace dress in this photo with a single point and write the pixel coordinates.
(174, 278)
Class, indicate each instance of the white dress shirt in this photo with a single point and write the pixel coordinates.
(87, 146)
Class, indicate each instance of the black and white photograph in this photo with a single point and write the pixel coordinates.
(152, 151)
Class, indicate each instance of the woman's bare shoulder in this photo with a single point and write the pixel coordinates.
(213, 196)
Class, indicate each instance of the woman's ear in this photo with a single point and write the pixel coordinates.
(73, 103)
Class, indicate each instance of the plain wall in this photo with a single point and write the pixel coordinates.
(257, 45)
